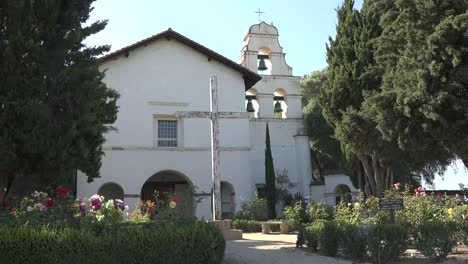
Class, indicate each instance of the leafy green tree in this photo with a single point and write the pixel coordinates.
(270, 179)
(350, 58)
(396, 91)
(54, 107)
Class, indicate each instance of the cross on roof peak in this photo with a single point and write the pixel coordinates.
(259, 12)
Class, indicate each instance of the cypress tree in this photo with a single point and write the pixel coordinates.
(54, 107)
(270, 179)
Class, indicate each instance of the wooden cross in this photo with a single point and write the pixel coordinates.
(214, 116)
(259, 12)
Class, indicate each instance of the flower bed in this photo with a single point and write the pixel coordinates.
(57, 228)
(432, 224)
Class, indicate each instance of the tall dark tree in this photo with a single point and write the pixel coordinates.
(396, 93)
(326, 152)
(270, 178)
(54, 107)
(423, 53)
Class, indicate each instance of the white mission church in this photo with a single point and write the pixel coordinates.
(156, 148)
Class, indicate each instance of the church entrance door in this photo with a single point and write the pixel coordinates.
(173, 183)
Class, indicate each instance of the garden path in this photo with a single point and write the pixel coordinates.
(281, 249)
(271, 249)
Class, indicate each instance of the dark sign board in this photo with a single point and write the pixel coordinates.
(391, 204)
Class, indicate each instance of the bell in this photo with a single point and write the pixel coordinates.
(261, 65)
(278, 107)
(250, 107)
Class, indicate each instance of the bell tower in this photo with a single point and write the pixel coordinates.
(275, 100)
(277, 95)
(262, 52)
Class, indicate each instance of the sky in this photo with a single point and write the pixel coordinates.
(304, 28)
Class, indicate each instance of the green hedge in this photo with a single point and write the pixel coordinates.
(150, 243)
(247, 226)
(386, 242)
(352, 241)
(436, 239)
(321, 236)
(383, 242)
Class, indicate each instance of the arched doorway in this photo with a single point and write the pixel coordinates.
(174, 183)
(342, 193)
(228, 200)
(112, 191)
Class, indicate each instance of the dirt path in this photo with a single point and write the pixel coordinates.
(271, 249)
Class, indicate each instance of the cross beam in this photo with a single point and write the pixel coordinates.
(214, 116)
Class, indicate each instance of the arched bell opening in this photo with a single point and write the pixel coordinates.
(279, 103)
(264, 65)
(251, 103)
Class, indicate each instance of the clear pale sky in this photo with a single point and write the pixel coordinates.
(304, 27)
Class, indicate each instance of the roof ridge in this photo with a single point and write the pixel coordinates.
(250, 77)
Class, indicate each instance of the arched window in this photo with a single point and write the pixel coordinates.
(264, 64)
(112, 191)
(279, 103)
(251, 103)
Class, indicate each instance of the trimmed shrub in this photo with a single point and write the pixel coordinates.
(247, 226)
(311, 235)
(328, 239)
(197, 242)
(256, 209)
(321, 235)
(386, 242)
(352, 241)
(436, 239)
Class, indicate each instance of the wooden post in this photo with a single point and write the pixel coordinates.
(215, 153)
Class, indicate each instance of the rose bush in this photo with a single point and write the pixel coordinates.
(62, 208)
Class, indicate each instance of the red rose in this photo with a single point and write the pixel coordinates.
(61, 192)
(439, 195)
(175, 200)
(150, 211)
(13, 211)
(49, 202)
(398, 184)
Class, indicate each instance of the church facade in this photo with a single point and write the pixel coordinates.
(154, 149)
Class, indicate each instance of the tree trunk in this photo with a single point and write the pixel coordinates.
(378, 176)
(371, 188)
(319, 168)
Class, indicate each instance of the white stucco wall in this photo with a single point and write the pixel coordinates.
(161, 79)
(167, 76)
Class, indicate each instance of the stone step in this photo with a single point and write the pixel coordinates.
(232, 234)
